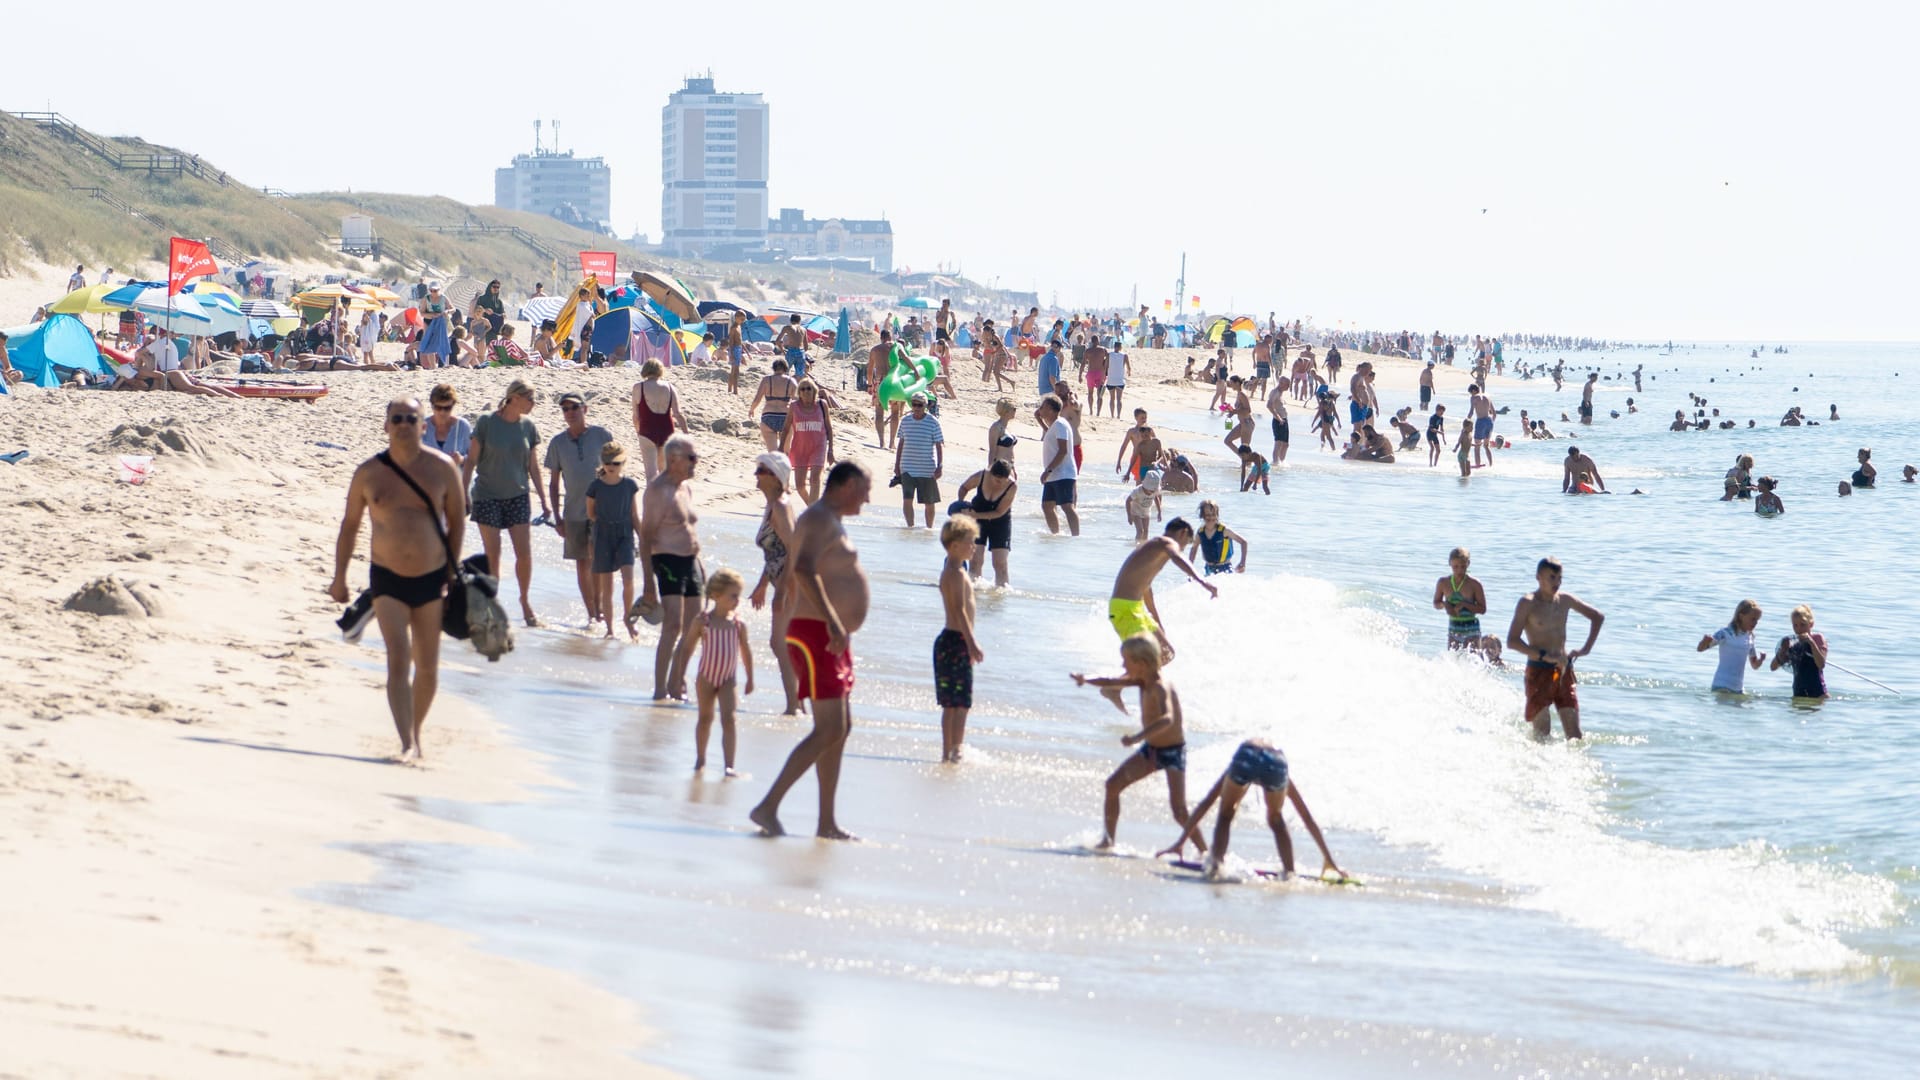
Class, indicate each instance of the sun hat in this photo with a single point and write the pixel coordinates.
(778, 465)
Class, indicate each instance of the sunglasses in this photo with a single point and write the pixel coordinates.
(571, 408)
(404, 418)
(442, 406)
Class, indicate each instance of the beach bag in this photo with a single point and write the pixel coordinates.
(471, 611)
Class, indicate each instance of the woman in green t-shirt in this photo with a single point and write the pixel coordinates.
(506, 476)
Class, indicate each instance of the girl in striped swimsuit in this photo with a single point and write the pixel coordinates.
(723, 641)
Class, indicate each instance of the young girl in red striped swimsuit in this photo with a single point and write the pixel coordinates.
(723, 646)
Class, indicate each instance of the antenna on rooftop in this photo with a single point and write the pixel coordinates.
(536, 136)
(556, 136)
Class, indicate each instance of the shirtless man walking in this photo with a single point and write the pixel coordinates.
(1586, 397)
(1480, 407)
(1277, 408)
(670, 560)
(412, 557)
(1131, 609)
(879, 363)
(793, 338)
(1539, 632)
(832, 596)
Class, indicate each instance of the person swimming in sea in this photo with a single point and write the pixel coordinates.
(1864, 476)
(1462, 597)
(1768, 503)
(1216, 543)
(1736, 648)
(1806, 652)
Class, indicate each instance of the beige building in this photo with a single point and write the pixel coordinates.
(794, 233)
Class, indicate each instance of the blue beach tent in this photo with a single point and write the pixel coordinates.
(62, 342)
(757, 330)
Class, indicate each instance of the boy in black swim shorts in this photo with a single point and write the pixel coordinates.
(955, 651)
(1255, 763)
(1165, 741)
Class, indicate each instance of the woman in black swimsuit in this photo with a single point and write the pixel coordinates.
(992, 506)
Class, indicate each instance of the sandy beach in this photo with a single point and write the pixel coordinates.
(192, 745)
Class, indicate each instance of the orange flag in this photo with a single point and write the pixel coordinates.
(186, 260)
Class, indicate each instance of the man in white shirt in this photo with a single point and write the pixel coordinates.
(1117, 367)
(106, 276)
(78, 280)
(1058, 473)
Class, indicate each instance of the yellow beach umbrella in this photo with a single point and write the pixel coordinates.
(380, 293)
(87, 301)
(688, 339)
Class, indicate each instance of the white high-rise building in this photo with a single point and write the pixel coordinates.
(577, 190)
(713, 171)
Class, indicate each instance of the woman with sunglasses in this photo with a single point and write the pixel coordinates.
(807, 439)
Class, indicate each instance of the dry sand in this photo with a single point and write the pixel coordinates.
(174, 770)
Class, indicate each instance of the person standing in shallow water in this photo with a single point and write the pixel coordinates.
(1539, 632)
(412, 555)
(832, 595)
(1806, 652)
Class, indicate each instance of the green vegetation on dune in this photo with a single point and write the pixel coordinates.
(50, 210)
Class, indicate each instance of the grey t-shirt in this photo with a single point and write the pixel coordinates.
(501, 472)
(577, 460)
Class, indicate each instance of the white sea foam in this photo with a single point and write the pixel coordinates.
(1428, 752)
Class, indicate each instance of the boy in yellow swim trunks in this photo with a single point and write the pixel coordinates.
(1131, 609)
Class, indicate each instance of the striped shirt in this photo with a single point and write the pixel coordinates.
(918, 434)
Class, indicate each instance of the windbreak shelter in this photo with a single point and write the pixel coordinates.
(61, 344)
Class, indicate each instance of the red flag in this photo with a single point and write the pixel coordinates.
(600, 264)
(186, 260)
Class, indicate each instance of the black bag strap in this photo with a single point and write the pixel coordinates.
(432, 510)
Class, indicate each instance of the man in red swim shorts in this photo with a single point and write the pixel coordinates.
(832, 605)
(1539, 633)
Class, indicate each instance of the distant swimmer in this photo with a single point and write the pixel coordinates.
(1739, 481)
(1735, 641)
(1462, 597)
(1256, 763)
(1539, 632)
(1580, 476)
(1131, 609)
(1806, 652)
(1162, 737)
(1768, 504)
(1907, 473)
(1864, 476)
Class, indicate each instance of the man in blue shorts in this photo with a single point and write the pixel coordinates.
(793, 338)
(1059, 473)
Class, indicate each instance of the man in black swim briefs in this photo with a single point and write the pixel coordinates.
(411, 491)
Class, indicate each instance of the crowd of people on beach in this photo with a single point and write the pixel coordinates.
(646, 527)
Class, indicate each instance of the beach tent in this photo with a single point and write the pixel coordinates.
(964, 339)
(62, 342)
(757, 330)
(614, 331)
(1246, 332)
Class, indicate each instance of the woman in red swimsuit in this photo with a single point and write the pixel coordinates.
(656, 415)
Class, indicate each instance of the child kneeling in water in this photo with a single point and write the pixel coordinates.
(722, 639)
(1261, 763)
(1160, 730)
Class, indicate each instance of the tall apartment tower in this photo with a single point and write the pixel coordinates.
(578, 190)
(713, 170)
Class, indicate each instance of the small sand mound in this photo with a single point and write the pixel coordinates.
(178, 441)
(111, 596)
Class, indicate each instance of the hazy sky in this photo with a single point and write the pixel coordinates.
(1653, 170)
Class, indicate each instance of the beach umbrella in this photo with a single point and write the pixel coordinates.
(380, 293)
(199, 315)
(541, 308)
(671, 296)
(211, 288)
(917, 302)
(153, 302)
(88, 301)
(820, 324)
(267, 309)
(327, 295)
(843, 335)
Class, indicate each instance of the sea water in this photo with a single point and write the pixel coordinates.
(1709, 883)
